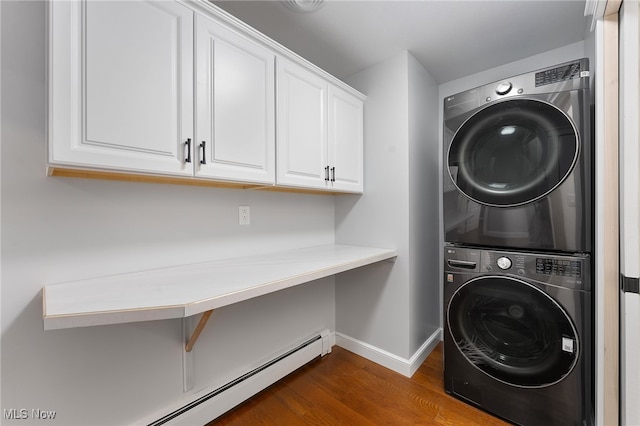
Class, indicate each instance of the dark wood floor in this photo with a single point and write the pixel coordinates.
(345, 389)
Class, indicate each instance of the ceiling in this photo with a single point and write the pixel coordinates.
(451, 39)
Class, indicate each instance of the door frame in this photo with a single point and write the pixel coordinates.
(607, 252)
(629, 217)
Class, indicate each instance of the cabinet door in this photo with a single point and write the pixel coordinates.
(235, 106)
(121, 85)
(345, 140)
(302, 127)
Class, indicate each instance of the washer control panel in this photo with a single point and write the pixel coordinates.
(564, 267)
(570, 271)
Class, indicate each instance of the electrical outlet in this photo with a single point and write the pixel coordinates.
(244, 215)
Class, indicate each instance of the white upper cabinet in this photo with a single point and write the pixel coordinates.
(235, 106)
(302, 131)
(168, 88)
(346, 142)
(320, 132)
(121, 85)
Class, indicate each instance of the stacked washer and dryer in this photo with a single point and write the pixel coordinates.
(518, 219)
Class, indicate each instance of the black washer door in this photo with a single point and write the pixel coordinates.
(513, 152)
(512, 331)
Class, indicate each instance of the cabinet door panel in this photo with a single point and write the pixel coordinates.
(346, 140)
(236, 105)
(122, 85)
(302, 135)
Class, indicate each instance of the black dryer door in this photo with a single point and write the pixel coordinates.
(512, 331)
(513, 152)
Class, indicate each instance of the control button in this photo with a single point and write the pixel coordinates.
(489, 268)
(503, 88)
(520, 271)
(504, 263)
(520, 91)
(488, 99)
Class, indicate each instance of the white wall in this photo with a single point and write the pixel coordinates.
(58, 229)
(392, 309)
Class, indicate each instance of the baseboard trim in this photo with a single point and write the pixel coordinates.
(404, 366)
(192, 411)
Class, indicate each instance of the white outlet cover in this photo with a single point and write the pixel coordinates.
(244, 215)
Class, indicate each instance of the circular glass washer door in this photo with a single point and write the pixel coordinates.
(512, 331)
(513, 152)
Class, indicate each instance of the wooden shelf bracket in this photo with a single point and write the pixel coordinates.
(196, 333)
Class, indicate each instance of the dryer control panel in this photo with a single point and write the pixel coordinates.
(561, 73)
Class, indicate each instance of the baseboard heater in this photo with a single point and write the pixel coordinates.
(213, 404)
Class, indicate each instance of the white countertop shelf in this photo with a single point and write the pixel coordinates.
(183, 291)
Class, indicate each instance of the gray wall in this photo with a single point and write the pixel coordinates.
(371, 303)
(423, 207)
(394, 308)
(60, 229)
